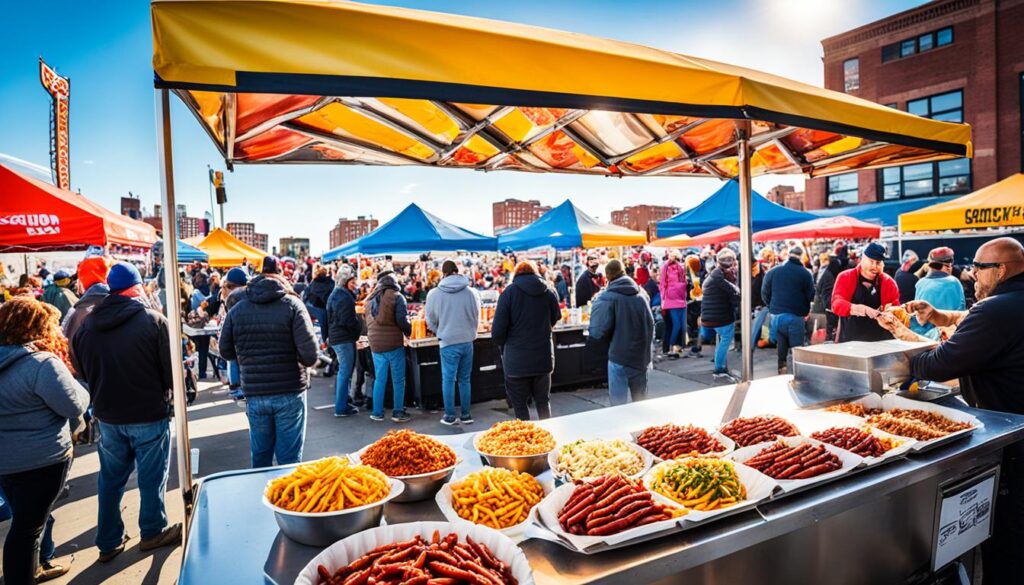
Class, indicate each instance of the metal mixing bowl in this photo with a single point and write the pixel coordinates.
(532, 464)
(418, 487)
(324, 528)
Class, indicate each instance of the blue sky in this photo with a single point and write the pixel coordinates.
(105, 47)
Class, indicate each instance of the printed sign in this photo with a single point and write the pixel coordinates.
(59, 89)
(1005, 215)
(965, 517)
(35, 224)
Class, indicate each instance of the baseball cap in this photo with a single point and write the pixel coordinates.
(271, 265)
(941, 255)
(875, 251)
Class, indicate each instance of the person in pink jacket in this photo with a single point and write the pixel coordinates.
(672, 288)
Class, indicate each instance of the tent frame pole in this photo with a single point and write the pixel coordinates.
(746, 252)
(173, 308)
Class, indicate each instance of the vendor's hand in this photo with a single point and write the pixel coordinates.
(923, 310)
(863, 311)
(890, 323)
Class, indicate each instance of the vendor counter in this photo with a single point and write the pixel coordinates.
(874, 525)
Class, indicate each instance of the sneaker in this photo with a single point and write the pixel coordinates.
(171, 536)
(350, 412)
(106, 557)
(377, 417)
(449, 420)
(466, 420)
(48, 571)
(400, 417)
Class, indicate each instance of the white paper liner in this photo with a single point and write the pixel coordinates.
(648, 460)
(516, 533)
(349, 549)
(849, 461)
(759, 487)
(729, 444)
(780, 414)
(891, 401)
(546, 513)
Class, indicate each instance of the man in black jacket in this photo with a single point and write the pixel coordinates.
(588, 284)
(527, 311)
(271, 336)
(719, 305)
(621, 319)
(789, 290)
(123, 352)
(987, 353)
(343, 329)
(316, 294)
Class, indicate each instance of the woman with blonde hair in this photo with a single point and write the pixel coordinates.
(38, 395)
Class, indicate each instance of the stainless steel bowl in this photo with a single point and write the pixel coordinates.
(418, 487)
(532, 464)
(324, 528)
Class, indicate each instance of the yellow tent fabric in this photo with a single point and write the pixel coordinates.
(349, 83)
(225, 250)
(998, 205)
(611, 235)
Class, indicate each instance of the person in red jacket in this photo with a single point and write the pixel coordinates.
(861, 293)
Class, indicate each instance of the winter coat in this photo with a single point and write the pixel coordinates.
(562, 288)
(387, 316)
(672, 285)
(342, 322)
(721, 300)
(82, 309)
(122, 351)
(587, 285)
(906, 282)
(60, 297)
(826, 282)
(270, 334)
(942, 291)
(788, 289)
(621, 319)
(319, 291)
(453, 310)
(526, 312)
(37, 397)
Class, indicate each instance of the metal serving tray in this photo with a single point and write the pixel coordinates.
(842, 371)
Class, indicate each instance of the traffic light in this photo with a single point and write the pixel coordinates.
(217, 177)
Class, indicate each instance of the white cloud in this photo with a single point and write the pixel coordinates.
(88, 161)
(408, 188)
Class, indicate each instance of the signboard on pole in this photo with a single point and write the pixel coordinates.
(59, 89)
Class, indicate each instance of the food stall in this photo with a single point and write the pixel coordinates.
(337, 83)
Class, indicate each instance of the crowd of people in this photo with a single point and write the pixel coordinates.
(89, 352)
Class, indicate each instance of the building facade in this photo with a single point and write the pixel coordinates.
(260, 241)
(347, 230)
(787, 196)
(243, 231)
(132, 207)
(952, 60)
(643, 218)
(294, 247)
(511, 214)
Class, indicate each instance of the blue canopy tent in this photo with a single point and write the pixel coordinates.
(414, 231)
(186, 252)
(723, 209)
(566, 227)
(885, 213)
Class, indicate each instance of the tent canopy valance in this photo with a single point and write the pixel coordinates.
(349, 83)
(823, 227)
(998, 205)
(36, 216)
(884, 213)
(225, 250)
(566, 227)
(414, 231)
(722, 208)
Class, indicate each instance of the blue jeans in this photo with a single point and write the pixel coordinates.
(789, 335)
(146, 448)
(320, 317)
(346, 353)
(382, 362)
(456, 364)
(725, 334)
(626, 384)
(773, 328)
(678, 335)
(234, 374)
(760, 315)
(277, 427)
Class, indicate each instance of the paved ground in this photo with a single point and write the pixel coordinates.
(219, 429)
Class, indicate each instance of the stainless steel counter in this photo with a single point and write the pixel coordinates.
(870, 526)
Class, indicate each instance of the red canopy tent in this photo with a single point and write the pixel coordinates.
(36, 216)
(729, 233)
(840, 226)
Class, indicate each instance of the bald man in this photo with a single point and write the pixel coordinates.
(987, 353)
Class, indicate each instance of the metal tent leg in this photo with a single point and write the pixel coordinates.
(173, 308)
(746, 252)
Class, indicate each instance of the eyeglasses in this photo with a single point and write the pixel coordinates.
(983, 265)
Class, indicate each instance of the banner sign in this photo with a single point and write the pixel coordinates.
(59, 89)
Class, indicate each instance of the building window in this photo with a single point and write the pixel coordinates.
(920, 44)
(841, 190)
(851, 75)
(948, 107)
(950, 177)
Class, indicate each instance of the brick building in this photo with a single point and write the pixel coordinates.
(787, 196)
(260, 241)
(132, 207)
(642, 218)
(952, 60)
(243, 231)
(294, 247)
(510, 214)
(349, 229)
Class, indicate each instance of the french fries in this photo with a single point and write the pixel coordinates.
(328, 485)
(700, 483)
(515, 438)
(495, 497)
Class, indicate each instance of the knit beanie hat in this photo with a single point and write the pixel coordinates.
(93, 270)
(123, 276)
(237, 276)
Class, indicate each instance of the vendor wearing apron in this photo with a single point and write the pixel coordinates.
(986, 352)
(861, 293)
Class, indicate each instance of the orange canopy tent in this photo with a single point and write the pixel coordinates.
(36, 216)
(729, 233)
(840, 226)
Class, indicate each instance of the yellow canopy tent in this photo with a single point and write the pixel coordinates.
(225, 250)
(998, 205)
(313, 81)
